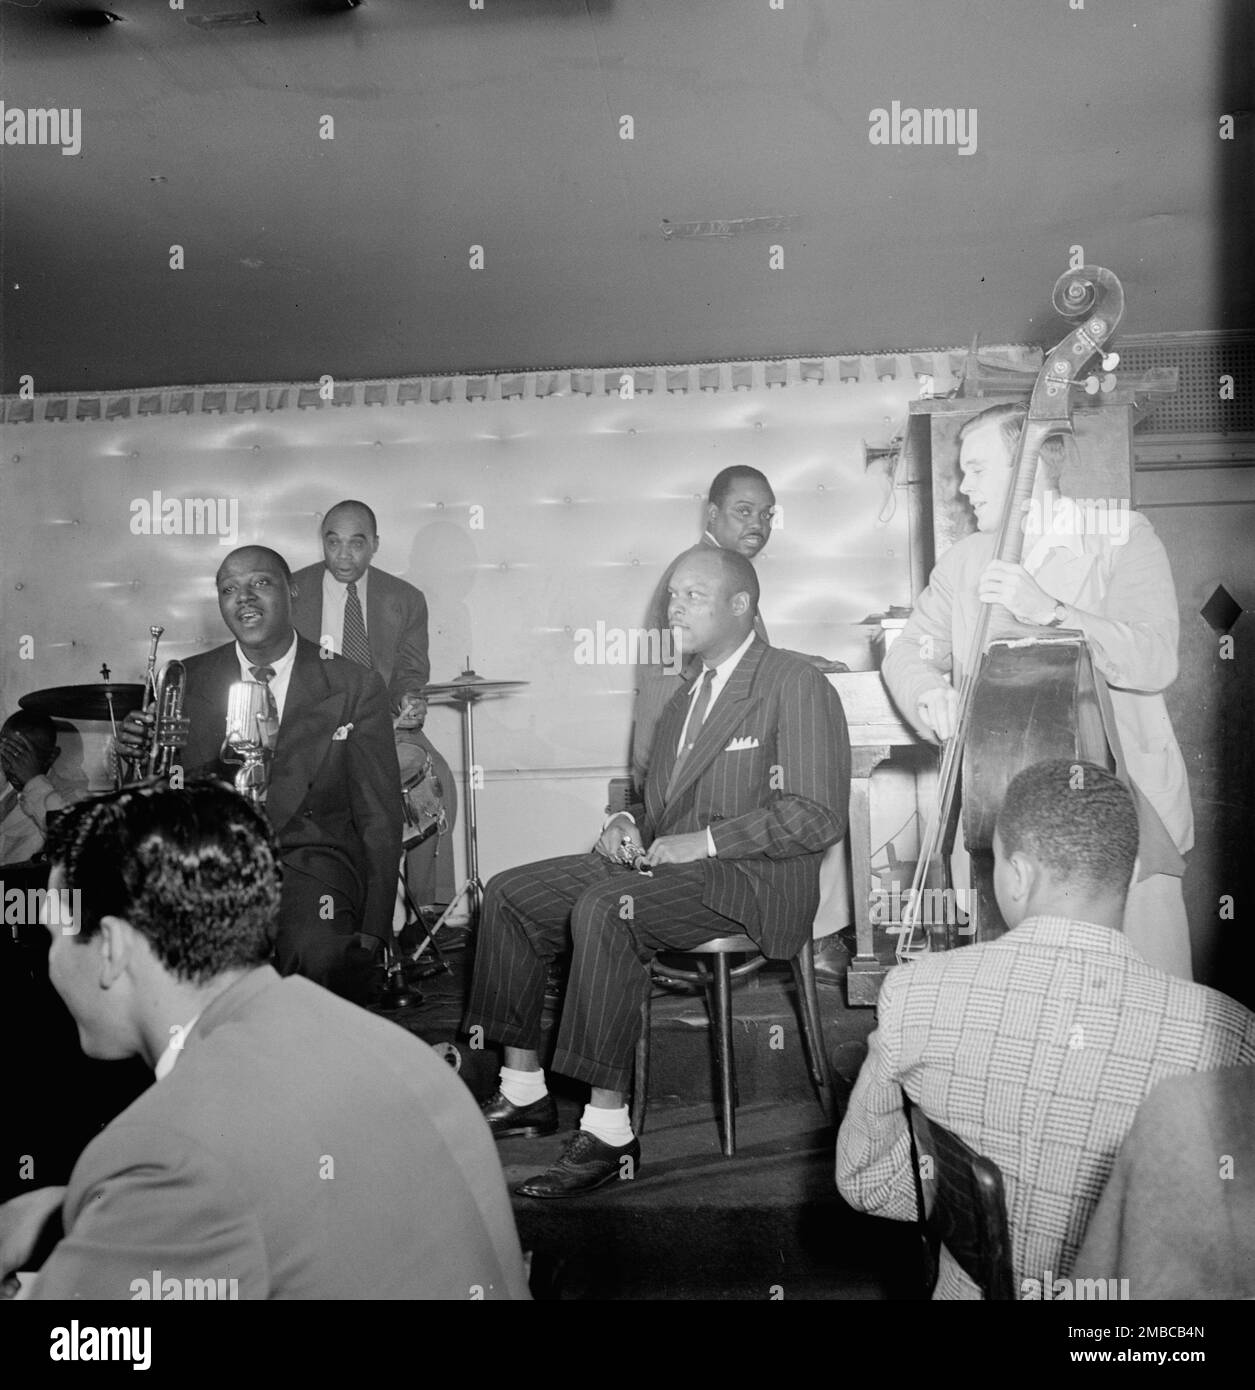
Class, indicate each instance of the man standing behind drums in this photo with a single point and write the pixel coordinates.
(378, 620)
(1113, 584)
(333, 793)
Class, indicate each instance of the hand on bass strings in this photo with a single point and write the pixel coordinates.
(939, 710)
(1017, 591)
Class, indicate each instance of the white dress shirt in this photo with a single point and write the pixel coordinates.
(334, 596)
(282, 673)
(1063, 531)
(717, 682)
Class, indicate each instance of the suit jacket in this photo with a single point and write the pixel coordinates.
(335, 804)
(396, 624)
(1133, 641)
(301, 1146)
(1175, 1220)
(770, 776)
(1036, 1049)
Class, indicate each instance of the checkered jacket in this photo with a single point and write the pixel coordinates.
(1036, 1049)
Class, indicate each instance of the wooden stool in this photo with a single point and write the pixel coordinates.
(718, 988)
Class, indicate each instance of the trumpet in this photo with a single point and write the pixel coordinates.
(163, 697)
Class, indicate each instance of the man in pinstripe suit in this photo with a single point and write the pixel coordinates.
(749, 784)
(1035, 1049)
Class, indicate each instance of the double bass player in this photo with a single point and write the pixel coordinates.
(1115, 586)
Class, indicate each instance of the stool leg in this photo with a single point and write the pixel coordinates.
(812, 1028)
(640, 1078)
(723, 1051)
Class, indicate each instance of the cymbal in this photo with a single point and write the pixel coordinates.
(84, 701)
(470, 686)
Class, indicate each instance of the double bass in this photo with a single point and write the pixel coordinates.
(1021, 701)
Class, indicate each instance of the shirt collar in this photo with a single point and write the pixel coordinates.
(328, 578)
(732, 660)
(710, 540)
(1075, 935)
(281, 667)
(1053, 523)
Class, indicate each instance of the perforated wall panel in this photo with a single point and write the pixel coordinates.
(1204, 402)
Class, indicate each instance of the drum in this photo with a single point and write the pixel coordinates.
(422, 801)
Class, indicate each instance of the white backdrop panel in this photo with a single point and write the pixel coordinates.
(524, 519)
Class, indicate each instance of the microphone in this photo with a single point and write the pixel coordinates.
(250, 738)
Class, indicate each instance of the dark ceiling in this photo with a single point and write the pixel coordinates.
(500, 127)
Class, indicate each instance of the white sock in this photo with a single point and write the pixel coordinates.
(610, 1126)
(523, 1087)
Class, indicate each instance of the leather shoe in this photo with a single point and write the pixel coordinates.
(832, 961)
(507, 1120)
(586, 1164)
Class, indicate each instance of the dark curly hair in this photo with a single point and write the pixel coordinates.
(194, 869)
(1076, 819)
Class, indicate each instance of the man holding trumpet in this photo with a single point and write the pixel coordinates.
(332, 791)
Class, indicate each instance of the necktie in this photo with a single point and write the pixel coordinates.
(356, 646)
(697, 715)
(263, 675)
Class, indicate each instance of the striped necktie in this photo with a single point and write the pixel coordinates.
(697, 716)
(355, 646)
(263, 675)
(268, 728)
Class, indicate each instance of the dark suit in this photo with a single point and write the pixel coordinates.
(302, 1148)
(769, 775)
(334, 803)
(396, 627)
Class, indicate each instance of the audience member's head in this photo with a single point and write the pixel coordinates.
(739, 509)
(350, 538)
(1064, 844)
(175, 893)
(711, 602)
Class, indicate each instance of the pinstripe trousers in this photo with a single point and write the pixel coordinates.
(614, 920)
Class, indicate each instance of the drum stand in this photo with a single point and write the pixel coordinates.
(466, 691)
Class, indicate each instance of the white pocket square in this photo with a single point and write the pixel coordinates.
(739, 745)
(341, 733)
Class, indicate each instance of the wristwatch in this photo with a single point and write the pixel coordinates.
(1059, 614)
